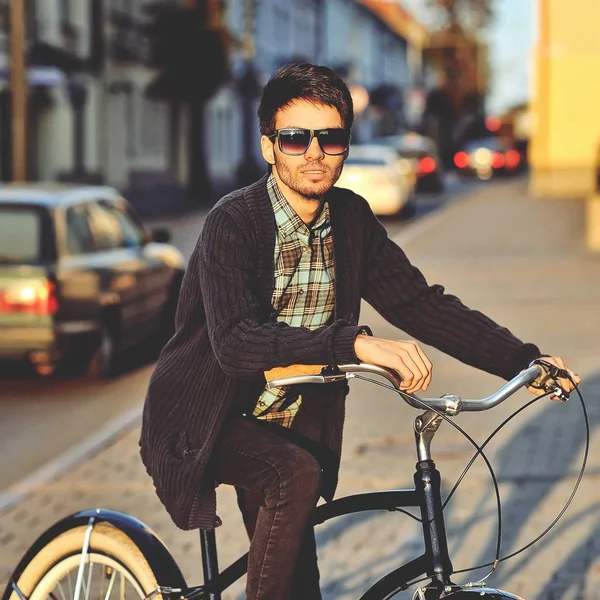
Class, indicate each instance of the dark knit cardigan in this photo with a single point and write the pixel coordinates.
(224, 341)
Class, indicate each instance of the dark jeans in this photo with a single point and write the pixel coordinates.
(277, 484)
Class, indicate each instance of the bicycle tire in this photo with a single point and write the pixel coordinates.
(109, 546)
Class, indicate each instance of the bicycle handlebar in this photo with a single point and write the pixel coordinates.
(448, 403)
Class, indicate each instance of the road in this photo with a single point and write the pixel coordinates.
(40, 419)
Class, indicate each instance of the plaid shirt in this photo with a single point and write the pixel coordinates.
(304, 291)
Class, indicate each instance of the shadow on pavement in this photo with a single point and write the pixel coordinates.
(543, 451)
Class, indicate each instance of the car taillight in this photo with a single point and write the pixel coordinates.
(427, 165)
(512, 158)
(497, 160)
(461, 160)
(38, 298)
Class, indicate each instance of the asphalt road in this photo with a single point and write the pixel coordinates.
(42, 418)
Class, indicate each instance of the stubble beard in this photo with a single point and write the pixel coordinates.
(314, 191)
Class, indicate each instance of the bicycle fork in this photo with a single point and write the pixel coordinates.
(428, 486)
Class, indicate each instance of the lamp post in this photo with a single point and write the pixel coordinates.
(78, 93)
(18, 85)
(249, 87)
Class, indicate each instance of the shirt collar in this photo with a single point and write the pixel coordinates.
(287, 218)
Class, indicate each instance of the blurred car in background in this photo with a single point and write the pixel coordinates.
(376, 173)
(422, 153)
(81, 279)
(486, 157)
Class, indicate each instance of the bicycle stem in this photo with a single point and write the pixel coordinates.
(425, 427)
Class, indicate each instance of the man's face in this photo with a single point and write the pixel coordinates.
(313, 173)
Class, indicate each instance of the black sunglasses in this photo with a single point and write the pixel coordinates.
(295, 142)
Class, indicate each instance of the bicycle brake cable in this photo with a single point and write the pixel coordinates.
(480, 452)
(575, 487)
(486, 442)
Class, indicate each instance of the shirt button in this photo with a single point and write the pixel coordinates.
(305, 249)
(301, 292)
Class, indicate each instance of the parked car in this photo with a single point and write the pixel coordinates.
(385, 181)
(81, 279)
(424, 158)
(486, 157)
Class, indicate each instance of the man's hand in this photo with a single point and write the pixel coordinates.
(405, 357)
(564, 383)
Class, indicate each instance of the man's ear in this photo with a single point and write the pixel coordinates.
(267, 147)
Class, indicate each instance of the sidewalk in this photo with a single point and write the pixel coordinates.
(522, 262)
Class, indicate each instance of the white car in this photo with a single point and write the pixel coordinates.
(386, 181)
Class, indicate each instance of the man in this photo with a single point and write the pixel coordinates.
(276, 279)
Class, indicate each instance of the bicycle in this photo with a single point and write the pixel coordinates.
(133, 560)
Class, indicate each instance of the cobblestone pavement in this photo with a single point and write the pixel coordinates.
(522, 262)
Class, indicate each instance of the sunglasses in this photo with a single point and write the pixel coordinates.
(295, 142)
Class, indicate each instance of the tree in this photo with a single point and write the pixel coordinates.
(459, 56)
(190, 51)
(467, 15)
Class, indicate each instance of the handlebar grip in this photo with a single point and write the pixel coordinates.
(293, 371)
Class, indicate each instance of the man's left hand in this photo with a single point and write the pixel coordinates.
(564, 383)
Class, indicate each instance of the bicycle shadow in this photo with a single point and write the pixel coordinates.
(541, 451)
(531, 462)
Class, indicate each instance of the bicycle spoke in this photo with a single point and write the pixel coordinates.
(60, 589)
(123, 581)
(111, 583)
(89, 582)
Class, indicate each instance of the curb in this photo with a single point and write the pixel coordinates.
(70, 459)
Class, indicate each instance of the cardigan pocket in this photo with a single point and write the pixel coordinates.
(183, 450)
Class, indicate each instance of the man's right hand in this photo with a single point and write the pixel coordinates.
(404, 356)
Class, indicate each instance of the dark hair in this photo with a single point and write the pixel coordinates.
(304, 81)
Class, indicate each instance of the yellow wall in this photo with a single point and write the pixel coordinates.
(566, 98)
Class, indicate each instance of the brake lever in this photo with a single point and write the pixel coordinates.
(548, 381)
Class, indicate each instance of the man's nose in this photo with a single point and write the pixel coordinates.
(314, 150)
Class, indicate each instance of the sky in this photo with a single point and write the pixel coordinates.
(510, 40)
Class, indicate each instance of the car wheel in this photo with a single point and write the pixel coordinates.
(409, 210)
(103, 362)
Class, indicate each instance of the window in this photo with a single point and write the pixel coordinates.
(114, 228)
(133, 232)
(152, 126)
(79, 238)
(365, 160)
(64, 11)
(281, 25)
(20, 235)
(107, 229)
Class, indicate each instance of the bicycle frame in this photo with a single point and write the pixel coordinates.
(426, 496)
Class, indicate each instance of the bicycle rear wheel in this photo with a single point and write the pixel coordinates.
(114, 568)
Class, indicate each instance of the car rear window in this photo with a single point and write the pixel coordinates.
(489, 143)
(22, 236)
(365, 160)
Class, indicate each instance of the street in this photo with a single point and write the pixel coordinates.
(34, 410)
(485, 249)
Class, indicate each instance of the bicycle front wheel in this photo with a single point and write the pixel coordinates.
(113, 569)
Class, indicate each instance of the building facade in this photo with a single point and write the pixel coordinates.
(565, 138)
(375, 52)
(93, 121)
(89, 118)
